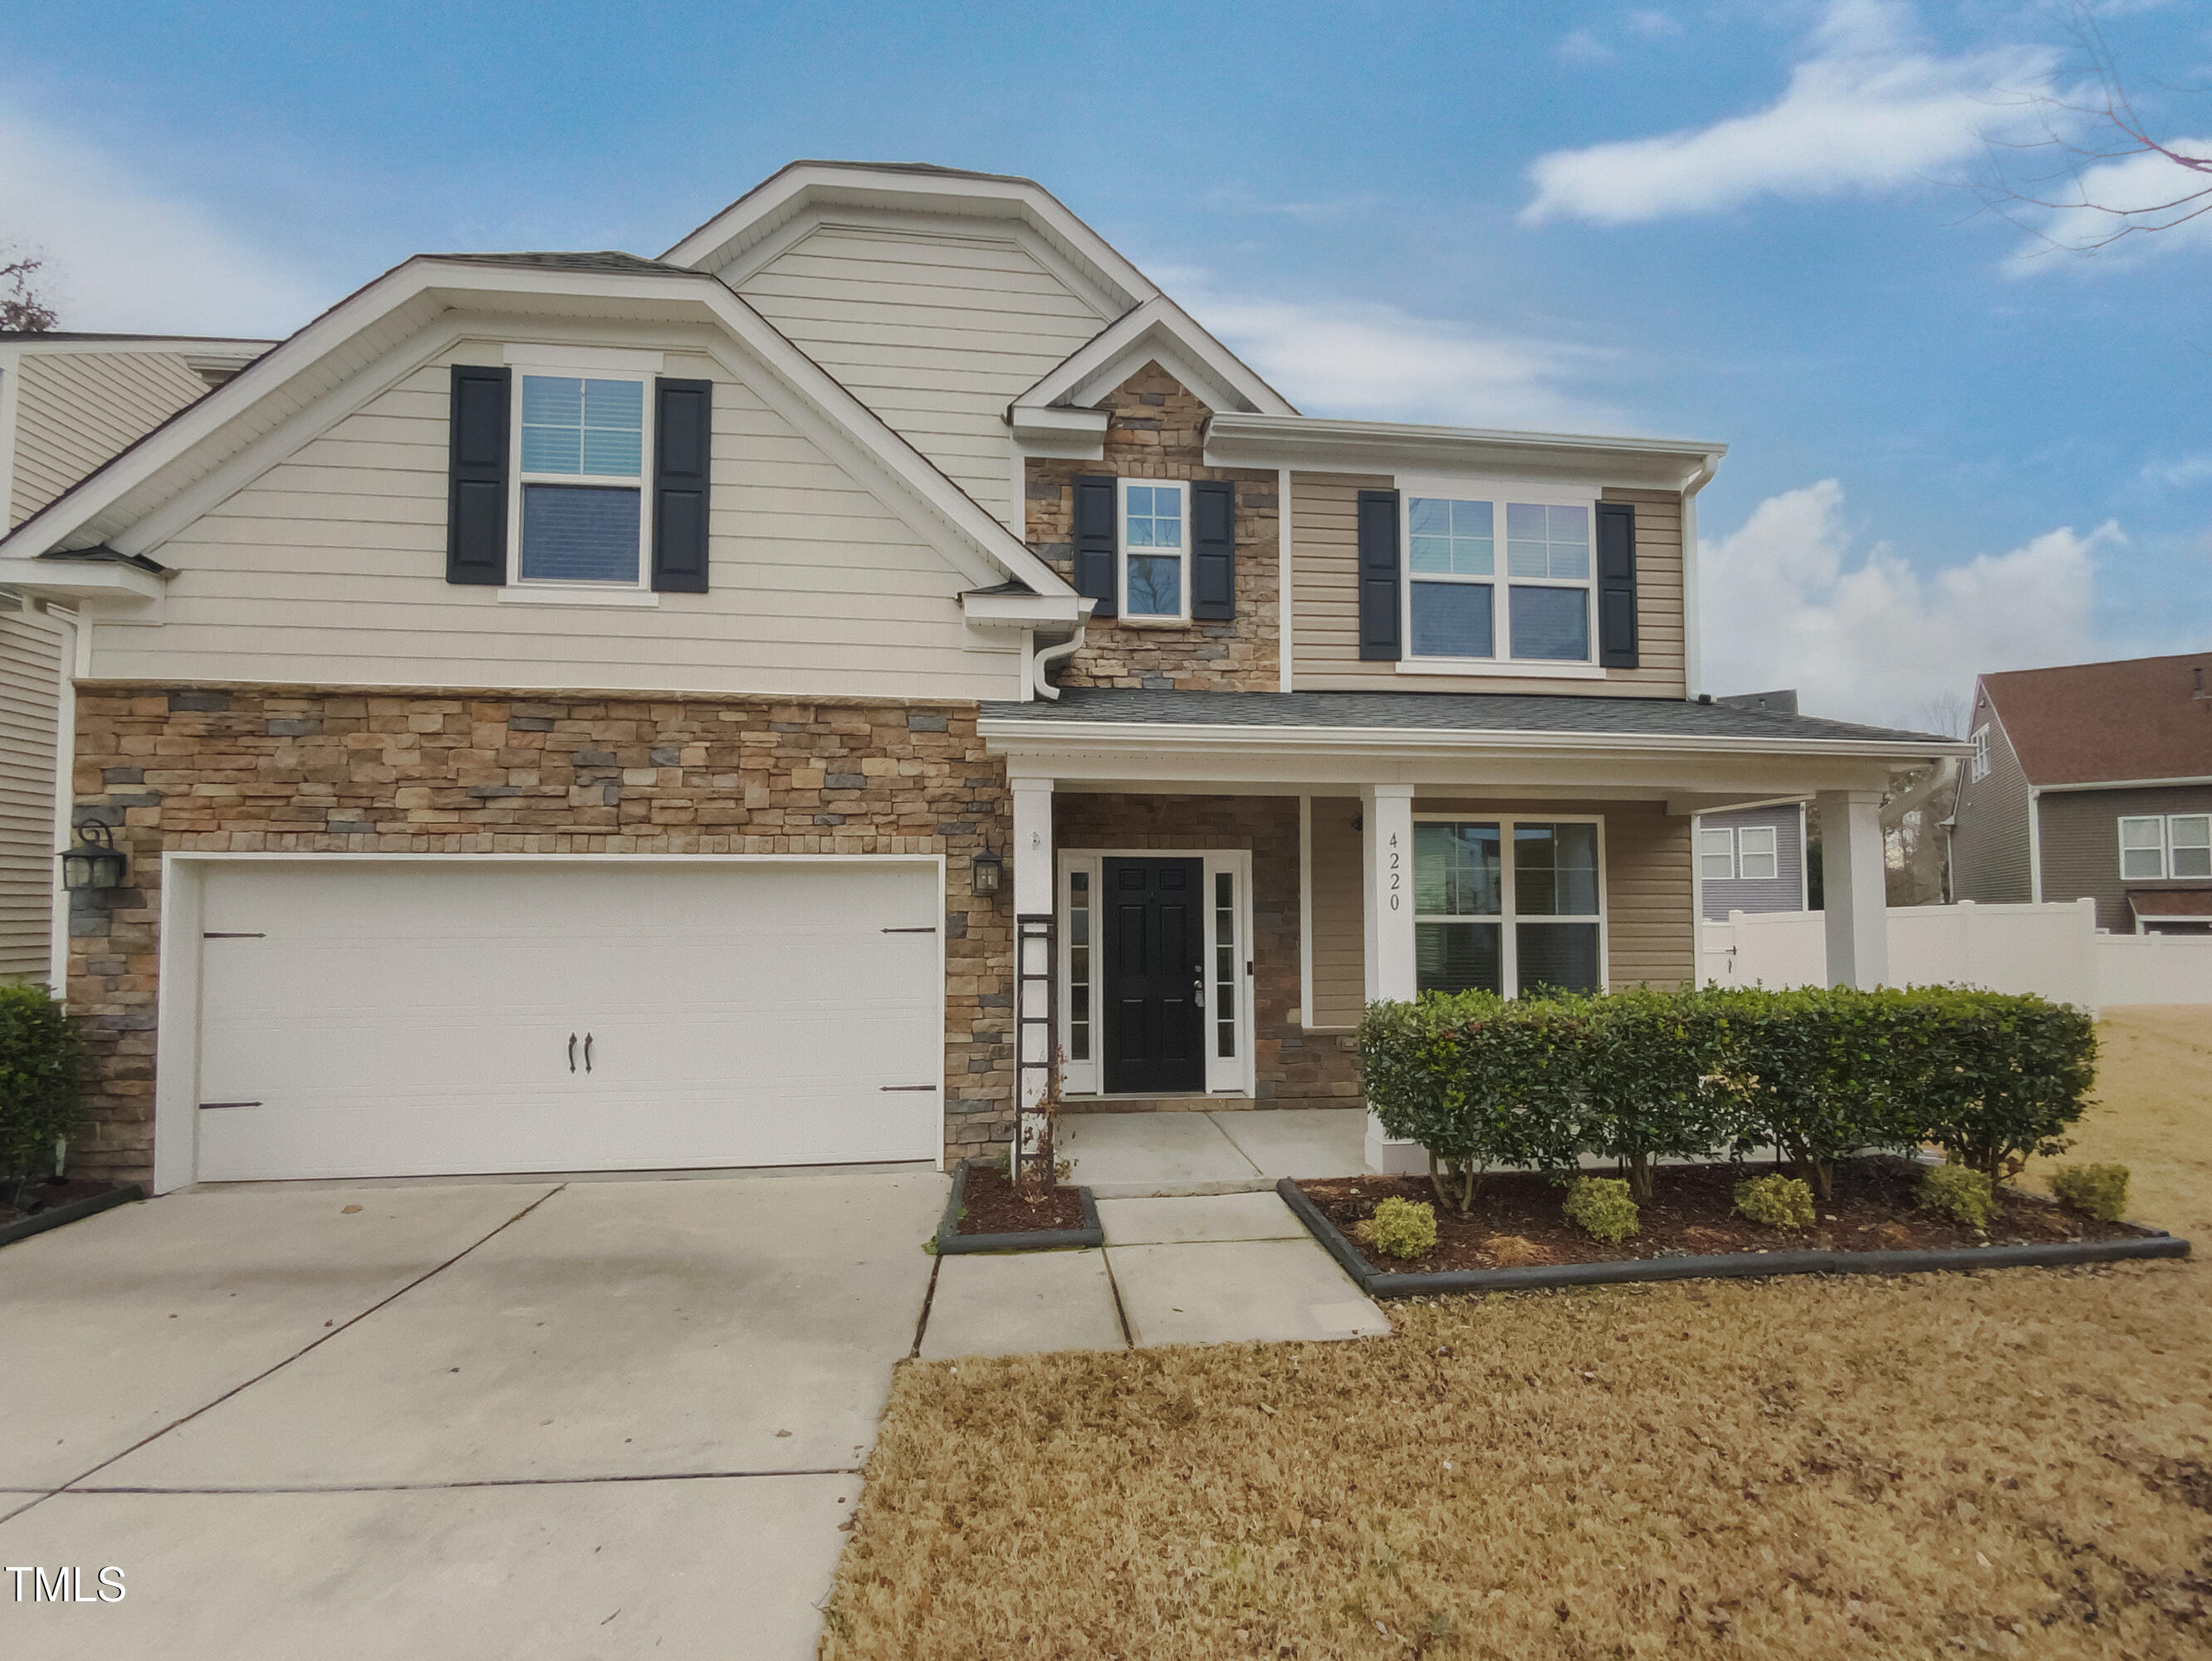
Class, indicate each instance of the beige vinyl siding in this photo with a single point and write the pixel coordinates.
(1325, 570)
(1990, 843)
(2080, 842)
(330, 570)
(75, 410)
(1651, 935)
(1339, 957)
(30, 669)
(937, 334)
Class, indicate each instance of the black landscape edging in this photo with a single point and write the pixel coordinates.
(1389, 1283)
(54, 1216)
(951, 1242)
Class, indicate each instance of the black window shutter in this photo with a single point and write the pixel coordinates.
(1212, 550)
(1616, 585)
(1097, 531)
(682, 440)
(476, 489)
(1378, 575)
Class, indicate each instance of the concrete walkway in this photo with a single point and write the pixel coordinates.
(597, 1418)
(1193, 1269)
(1134, 1155)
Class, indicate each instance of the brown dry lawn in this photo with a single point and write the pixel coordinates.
(2011, 1462)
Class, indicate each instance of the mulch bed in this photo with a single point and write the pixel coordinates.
(1517, 1221)
(45, 1196)
(993, 1206)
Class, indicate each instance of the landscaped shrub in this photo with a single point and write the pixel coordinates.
(1779, 1202)
(2095, 1190)
(1650, 1073)
(1601, 1207)
(1959, 1192)
(40, 1063)
(1404, 1228)
(2005, 1076)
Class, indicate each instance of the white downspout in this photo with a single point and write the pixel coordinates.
(2035, 844)
(1039, 662)
(76, 656)
(1692, 642)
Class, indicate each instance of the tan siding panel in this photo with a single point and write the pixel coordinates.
(1339, 973)
(1989, 847)
(1324, 563)
(75, 410)
(30, 667)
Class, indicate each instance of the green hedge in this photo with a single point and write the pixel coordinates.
(1641, 1076)
(40, 1063)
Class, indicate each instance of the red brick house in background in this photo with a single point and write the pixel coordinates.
(578, 711)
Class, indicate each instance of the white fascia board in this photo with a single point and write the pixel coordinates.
(804, 186)
(1236, 440)
(1020, 735)
(462, 284)
(1221, 377)
(220, 348)
(2129, 784)
(1045, 424)
(87, 582)
(1022, 610)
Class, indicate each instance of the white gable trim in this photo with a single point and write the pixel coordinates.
(287, 382)
(1159, 330)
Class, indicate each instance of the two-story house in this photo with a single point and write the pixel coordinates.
(767, 703)
(67, 401)
(2093, 781)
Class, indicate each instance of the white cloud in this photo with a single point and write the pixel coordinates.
(2142, 184)
(1382, 362)
(120, 257)
(2184, 474)
(1582, 47)
(1652, 25)
(1787, 602)
(1866, 111)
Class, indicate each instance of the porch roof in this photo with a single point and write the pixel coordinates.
(1386, 716)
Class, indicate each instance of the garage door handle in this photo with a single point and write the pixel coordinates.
(572, 1052)
(910, 1086)
(588, 1052)
(926, 928)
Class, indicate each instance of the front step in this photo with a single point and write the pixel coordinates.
(1156, 1103)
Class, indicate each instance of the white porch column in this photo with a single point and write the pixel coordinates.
(1854, 893)
(1032, 882)
(1386, 846)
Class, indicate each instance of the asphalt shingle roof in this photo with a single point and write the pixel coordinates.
(1480, 712)
(604, 261)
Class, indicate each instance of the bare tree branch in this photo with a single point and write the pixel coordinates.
(22, 308)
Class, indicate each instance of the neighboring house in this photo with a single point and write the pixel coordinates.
(1752, 861)
(580, 711)
(68, 402)
(2093, 781)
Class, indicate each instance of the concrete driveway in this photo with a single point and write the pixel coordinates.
(587, 1419)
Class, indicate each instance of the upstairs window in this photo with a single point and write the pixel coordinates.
(2188, 844)
(580, 466)
(2153, 846)
(1716, 855)
(1456, 606)
(1155, 550)
(1757, 859)
(1978, 768)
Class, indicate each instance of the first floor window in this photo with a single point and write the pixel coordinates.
(1078, 966)
(1155, 539)
(1508, 906)
(1225, 963)
(1716, 855)
(579, 467)
(1457, 607)
(2155, 846)
(1756, 858)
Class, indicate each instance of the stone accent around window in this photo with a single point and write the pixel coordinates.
(331, 772)
(1156, 429)
(1291, 1067)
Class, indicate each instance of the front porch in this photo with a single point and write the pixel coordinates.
(1211, 887)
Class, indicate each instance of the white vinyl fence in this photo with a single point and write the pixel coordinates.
(2055, 949)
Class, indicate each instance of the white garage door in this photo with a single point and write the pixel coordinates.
(409, 1018)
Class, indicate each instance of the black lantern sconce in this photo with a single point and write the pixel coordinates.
(985, 875)
(95, 861)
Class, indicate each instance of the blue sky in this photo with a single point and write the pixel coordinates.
(1743, 221)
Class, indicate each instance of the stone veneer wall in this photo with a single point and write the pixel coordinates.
(1291, 1067)
(313, 771)
(1157, 430)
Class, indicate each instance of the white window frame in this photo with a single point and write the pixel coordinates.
(1509, 917)
(2120, 829)
(1978, 769)
(1123, 552)
(1723, 832)
(2173, 847)
(1745, 853)
(1501, 494)
(1225, 1075)
(586, 367)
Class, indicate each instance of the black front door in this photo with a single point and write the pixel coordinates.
(1155, 975)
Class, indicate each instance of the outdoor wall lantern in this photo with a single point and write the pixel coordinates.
(95, 861)
(986, 874)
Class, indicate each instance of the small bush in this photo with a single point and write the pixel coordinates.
(1404, 1228)
(40, 1063)
(1601, 1207)
(1776, 1201)
(1959, 1192)
(2095, 1190)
